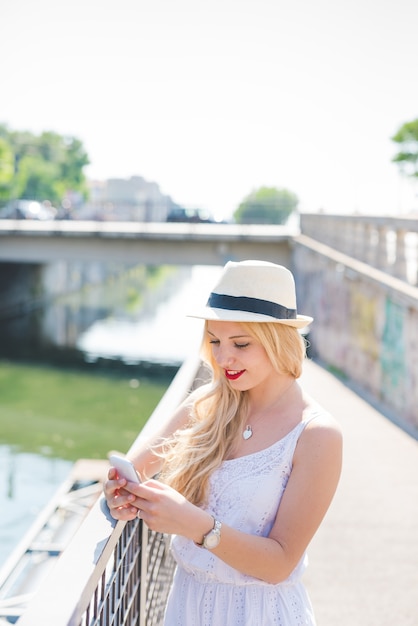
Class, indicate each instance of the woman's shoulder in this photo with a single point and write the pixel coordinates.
(321, 442)
(319, 421)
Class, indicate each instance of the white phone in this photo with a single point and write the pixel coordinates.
(125, 468)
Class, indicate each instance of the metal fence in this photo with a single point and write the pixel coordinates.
(133, 588)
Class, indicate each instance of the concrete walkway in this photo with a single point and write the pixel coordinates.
(364, 559)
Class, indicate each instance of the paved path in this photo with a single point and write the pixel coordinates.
(364, 559)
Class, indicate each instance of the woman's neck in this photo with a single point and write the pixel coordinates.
(269, 397)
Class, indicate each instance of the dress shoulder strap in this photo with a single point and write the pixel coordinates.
(312, 413)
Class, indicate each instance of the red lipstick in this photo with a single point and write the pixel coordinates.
(233, 374)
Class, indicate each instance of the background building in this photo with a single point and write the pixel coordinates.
(132, 199)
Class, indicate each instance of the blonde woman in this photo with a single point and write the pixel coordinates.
(247, 466)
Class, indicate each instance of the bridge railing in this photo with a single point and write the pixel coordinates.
(389, 244)
(113, 573)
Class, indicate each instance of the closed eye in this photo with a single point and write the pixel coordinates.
(240, 346)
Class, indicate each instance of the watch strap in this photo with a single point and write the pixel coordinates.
(214, 534)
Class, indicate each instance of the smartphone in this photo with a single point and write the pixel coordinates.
(125, 468)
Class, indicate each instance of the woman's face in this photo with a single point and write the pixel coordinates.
(242, 358)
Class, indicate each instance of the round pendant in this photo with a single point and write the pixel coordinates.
(248, 432)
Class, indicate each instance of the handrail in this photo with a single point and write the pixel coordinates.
(101, 578)
(386, 243)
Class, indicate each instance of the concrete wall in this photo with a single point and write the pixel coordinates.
(366, 325)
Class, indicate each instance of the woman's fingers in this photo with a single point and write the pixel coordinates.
(118, 499)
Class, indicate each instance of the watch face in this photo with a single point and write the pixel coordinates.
(212, 540)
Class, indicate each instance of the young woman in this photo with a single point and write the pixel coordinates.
(248, 464)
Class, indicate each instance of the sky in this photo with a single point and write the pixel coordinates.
(213, 99)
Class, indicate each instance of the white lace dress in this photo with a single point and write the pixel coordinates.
(245, 493)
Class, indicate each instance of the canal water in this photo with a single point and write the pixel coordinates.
(165, 334)
(28, 482)
(111, 322)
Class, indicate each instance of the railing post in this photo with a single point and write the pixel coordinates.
(400, 257)
(144, 582)
(358, 244)
(414, 250)
(382, 253)
(369, 248)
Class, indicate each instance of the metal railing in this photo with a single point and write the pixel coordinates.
(113, 573)
(134, 582)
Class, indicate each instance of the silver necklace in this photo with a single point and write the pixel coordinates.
(247, 433)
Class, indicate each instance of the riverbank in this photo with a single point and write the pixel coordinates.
(69, 413)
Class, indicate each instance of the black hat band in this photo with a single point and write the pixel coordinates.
(251, 305)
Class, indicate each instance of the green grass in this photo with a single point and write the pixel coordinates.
(73, 414)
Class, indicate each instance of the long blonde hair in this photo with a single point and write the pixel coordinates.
(218, 412)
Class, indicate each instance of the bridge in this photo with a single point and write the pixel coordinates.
(357, 275)
(151, 243)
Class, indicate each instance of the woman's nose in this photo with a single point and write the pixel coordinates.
(224, 359)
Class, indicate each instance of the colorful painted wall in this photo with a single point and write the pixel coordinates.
(365, 328)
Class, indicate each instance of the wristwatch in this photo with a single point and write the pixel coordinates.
(212, 538)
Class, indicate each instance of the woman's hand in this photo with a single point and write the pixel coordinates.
(161, 507)
(165, 510)
(118, 497)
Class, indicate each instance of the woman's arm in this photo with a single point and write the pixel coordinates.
(307, 497)
(308, 494)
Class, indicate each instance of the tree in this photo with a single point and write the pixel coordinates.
(46, 166)
(407, 138)
(266, 205)
(37, 179)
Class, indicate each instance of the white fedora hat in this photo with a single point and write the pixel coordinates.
(254, 291)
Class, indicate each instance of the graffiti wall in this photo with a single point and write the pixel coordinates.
(363, 329)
